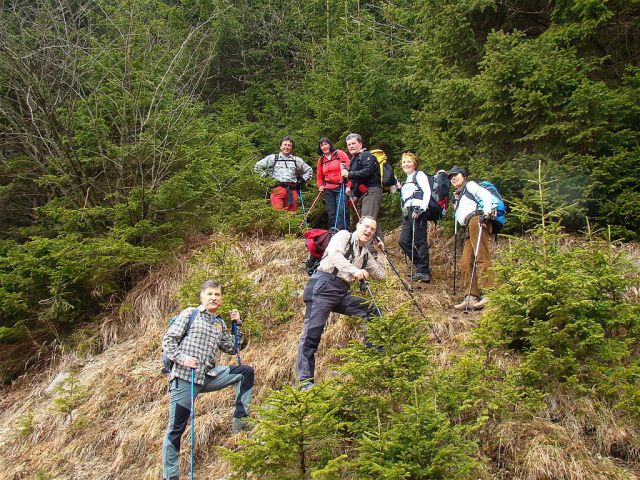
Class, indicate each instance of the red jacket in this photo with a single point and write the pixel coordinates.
(329, 170)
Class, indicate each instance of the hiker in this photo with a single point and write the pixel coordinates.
(415, 194)
(329, 180)
(364, 174)
(346, 259)
(468, 215)
(290, 172)
(197, 349)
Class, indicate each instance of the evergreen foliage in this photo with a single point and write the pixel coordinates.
(127, 126)
(296, 437)
(376, 419)
(565, 308)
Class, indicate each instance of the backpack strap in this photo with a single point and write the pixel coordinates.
(470, 195)
(347, 254)
(417, 188)
(192, 317)
(334, 156)
(279, 158)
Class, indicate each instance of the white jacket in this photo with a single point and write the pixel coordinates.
(410, 190)
(465, 207)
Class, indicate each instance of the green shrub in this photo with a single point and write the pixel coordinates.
(69, 395)
(25, 424)
(296, 436)
(562, 304)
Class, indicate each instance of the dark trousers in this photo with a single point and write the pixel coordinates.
(370, 206)
(324, 293)
(420, 242)
(331, 198)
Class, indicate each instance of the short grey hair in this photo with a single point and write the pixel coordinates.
(353, 136)
(367, 217)
(211, 284)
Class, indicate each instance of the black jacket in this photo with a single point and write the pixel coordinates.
(364, 170)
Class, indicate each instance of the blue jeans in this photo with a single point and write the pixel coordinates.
(180, 408)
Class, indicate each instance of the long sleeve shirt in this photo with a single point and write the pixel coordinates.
(328, 173)
(416, 191)
(208, 334)
(466, 207)
(285, 169)
(335, 258)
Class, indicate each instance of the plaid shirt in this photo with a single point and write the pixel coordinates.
(207, 335)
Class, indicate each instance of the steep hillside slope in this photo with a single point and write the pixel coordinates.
(111, 423)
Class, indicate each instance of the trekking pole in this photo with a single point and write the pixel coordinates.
(313, 204)
(341, 200)
(413, 245)
(344, 208)
(364, 285)
(234, 331)
(455, 253)
(354, 207)
(304, 213)
(193, 416)
(407, 288)
(473, 269)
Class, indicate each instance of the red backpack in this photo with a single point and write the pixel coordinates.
(317, 241)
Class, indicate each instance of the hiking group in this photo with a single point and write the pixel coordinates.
(338, 258)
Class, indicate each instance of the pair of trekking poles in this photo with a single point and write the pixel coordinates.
(407, 288)
(341, 202)
(475, 261)
(234, 331)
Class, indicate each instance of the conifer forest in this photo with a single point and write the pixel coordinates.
(129, 131)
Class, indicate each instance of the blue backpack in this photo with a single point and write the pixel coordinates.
(497, 204)
(167, 364)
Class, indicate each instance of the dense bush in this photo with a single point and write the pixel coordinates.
(136, 124)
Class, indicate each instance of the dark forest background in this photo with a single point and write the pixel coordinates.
(128, 127)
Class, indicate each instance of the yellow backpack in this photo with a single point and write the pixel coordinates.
(387, 177)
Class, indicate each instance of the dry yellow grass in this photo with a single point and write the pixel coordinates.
(120, 424)
(541, 450)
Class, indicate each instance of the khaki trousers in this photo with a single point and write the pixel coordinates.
(482, 278)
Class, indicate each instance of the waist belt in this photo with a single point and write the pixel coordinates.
(331, 276)
(287, 185)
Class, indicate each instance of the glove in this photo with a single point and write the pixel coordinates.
(300, 184)
(482, 219)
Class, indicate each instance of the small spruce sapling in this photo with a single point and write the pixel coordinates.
(296, 435)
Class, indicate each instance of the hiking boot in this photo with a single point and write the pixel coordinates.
(306, 385)
(481, 304)
(421, 277)
(240, 425)
(468, 303)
